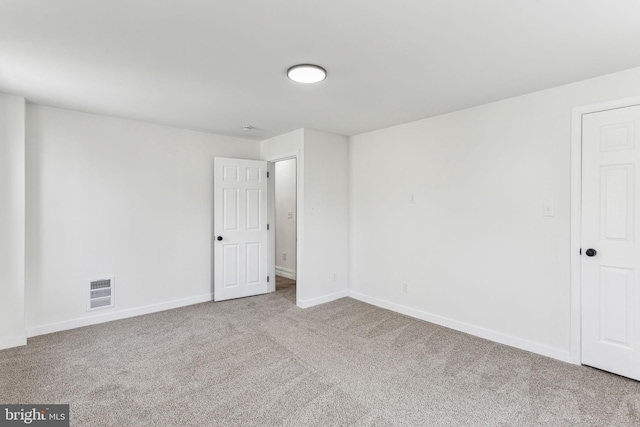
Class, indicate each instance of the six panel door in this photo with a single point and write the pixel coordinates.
(240, 228)
(610, 241)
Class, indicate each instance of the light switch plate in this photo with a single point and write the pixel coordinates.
(548, 208)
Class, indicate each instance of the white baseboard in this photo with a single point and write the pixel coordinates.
(115, 315)
(499, 337)
(285, 272)
(13, 342)
(321, 300)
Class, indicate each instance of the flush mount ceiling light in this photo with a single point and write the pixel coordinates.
(307, 73)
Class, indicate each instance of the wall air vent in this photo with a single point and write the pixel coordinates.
(100, 294)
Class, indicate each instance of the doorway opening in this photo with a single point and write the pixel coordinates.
(285, 220)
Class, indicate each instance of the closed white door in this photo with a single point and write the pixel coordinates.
(240, 228)
(611, 241)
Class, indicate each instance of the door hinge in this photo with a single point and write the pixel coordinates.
(580, 251)
(267, 279)
(267, 174)
(267, 226)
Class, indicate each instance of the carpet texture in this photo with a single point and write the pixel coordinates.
(262, 361)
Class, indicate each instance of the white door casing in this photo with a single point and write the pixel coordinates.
(240, 228)
(610, 306)
(299, 220)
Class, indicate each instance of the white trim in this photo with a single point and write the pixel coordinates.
(321, 300)
(13, 342)
(576, 214)
(115, 315)
(285, 272)
(280, 157)
(477, 331)
(271, 219)
(576, 219)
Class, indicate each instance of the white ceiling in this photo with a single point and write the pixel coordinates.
(218, 65)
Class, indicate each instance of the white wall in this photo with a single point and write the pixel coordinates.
(326, 211)
(107, 196)
(286, 215)
(323, 200)
(12, 222)
(474, 248)
(285, 144)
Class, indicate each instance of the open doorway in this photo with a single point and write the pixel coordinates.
(285, 227)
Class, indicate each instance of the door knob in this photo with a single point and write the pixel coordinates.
(591, 252)
(220, 238)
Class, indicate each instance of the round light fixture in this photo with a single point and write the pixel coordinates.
(307, 73)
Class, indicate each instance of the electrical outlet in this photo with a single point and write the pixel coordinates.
(289, 215)
(284, 256)
(405, 287)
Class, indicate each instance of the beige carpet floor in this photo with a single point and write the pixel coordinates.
(262, 361)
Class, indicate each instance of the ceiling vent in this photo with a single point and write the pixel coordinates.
(100, 294)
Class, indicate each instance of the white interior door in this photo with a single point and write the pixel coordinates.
(240, 228)
(610, 241)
